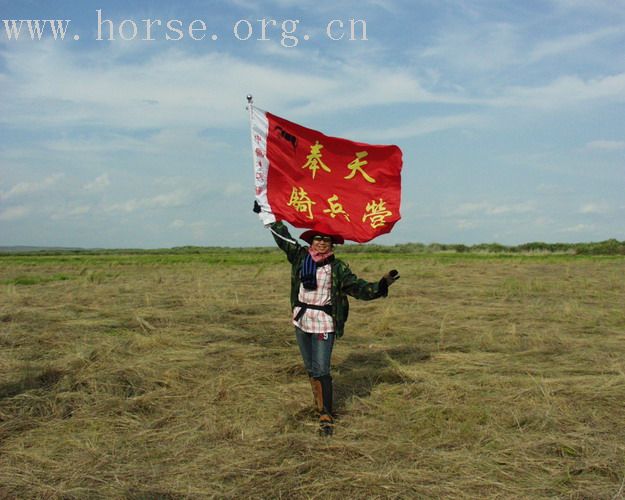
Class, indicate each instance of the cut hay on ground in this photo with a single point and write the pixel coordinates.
(145, 377)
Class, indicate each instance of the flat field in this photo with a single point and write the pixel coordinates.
(177, 376)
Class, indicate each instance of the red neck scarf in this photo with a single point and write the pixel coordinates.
(318, 257)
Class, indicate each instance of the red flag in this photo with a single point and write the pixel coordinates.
(324, 183)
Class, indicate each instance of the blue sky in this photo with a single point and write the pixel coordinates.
(509, 115)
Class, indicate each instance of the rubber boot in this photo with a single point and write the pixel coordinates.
(326, 419)
(317, 395)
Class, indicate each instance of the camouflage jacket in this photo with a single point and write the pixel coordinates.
(344, 281)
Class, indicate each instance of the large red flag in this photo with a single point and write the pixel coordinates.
(324, 183)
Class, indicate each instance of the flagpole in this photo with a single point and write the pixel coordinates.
(250, 108)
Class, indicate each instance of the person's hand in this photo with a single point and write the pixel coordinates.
(266, 217)
(391, 277)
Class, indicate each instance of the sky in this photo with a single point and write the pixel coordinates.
(509, 115)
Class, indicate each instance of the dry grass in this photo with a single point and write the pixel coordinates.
(479, 377)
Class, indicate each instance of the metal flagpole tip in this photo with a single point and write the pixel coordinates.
(250, 98)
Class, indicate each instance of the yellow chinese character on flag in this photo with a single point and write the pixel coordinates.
(301, 202)
(336, 208)
(376, 213)
(356, 166)
(314, 159)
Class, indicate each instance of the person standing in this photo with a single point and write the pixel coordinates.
(320, 284)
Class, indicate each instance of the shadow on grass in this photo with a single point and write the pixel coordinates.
(137, 494)
(362, 371)
(39, 380)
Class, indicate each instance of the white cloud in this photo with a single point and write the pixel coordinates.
(215, 83)
(103, 143)
(466, 224)
(128, 96)
(488, 208)
(554, 189)
(124, 96)
(564, 91)
(98, 184)
(542, 221)
(594, 208)
(578, 228)
(173, 199)
(168, 146)
(235, 188)
(605, 145)
(125, 206)
(483, 55)
(69, 213)
(14, 213)
(419, 127)
(26, 188)
(167, 200)
(477, 47)
(476, 44)
(613, 8)
(387, 5)
(572, 43)
(197, 230)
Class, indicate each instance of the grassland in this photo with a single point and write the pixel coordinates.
(177, 376)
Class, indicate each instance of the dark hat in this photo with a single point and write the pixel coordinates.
(308, 236)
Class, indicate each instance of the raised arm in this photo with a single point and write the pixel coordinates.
(279, 232)
(285, 241)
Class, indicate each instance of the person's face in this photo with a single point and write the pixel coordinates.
(322, 244)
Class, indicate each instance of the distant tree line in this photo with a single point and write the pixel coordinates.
(608, 247)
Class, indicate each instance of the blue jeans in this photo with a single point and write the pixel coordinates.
(316, 350)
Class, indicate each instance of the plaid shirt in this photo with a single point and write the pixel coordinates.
(344, 282)
(313, 320)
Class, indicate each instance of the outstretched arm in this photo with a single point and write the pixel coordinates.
(365, 290)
